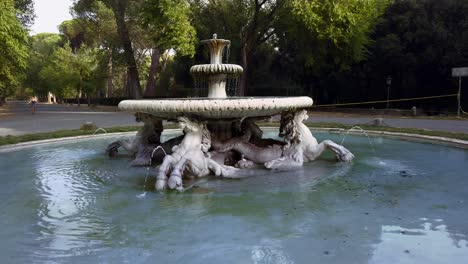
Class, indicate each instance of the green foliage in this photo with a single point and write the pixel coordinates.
(244, 22)
(25, 12)
(13, 49)
(67, 72)
(417, 43)
(168, 26)
(41, 48)
(342, 25)
(95, 21)
(55, 67)
(74, 30)
(290, 44)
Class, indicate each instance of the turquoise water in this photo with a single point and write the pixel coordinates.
(68, 202)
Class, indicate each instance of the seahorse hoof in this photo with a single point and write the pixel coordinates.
(175, 182)
(272, 165)
(160, 185)
(112, 152)
(346, 156)
(245, 164)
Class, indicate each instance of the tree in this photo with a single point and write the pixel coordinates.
(306, 37)
(74, 72)
(75, 31)
(142, 27)
(41, 48)
(13, 49)
(316, 41)
(97, 25)
(25, 12)
(168, 26)
(122, 10)
(250, 26)
(417, 43)
(342, 25)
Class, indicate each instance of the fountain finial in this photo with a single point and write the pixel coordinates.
(215, 36)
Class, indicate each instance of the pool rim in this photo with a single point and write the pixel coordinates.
(449, 142)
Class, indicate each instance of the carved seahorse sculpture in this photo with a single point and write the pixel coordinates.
(145, 141)
(299, 146)
(190, 158)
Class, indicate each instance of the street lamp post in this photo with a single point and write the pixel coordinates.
(389, 83)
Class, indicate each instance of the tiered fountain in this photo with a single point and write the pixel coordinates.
(220, 134)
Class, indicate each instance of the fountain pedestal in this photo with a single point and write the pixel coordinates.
(217, 86)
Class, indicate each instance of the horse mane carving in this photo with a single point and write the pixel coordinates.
(291, 127)
(149, 134)
(195, 125)
(206, 138)
(151, 131)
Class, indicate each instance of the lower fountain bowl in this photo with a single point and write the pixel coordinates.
(65, 202)
(214, 108)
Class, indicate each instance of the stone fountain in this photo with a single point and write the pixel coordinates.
(220, 134)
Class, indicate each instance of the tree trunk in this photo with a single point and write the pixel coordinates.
(78, 97)
(151, 82)
(244, 64)
(110, 75)
(133, 80)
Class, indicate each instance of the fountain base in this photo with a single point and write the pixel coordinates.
(224, 147)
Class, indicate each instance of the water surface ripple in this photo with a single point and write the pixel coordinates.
(67, 202)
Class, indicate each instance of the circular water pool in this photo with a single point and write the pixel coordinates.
(406, 202)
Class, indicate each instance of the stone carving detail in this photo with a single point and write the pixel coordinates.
(190, 158)
(211, 108)
(299, 146)
(142, 146)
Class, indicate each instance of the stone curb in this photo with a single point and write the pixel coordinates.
(458, 143)
(412, 137)
(21, 145)
(17, 146)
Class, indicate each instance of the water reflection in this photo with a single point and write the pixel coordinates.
(66, 219)
(432, 242)
(86, 210)
(270, 251)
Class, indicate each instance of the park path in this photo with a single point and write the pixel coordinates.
(16, 119)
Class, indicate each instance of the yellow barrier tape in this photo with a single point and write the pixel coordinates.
(393, 100)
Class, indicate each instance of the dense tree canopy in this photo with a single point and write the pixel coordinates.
(13, 49)
(333, 50)
(342, 25)
(416, 43)
(42, 46)
(168, 25)
(25, 12)
(73, 73)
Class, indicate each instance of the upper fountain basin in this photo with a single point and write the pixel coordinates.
(216, 42)
(216, 47)
(233, 107)
(207, 69)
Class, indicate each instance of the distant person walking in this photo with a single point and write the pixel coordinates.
(33, 105)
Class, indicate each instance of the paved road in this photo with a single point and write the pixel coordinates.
(431, 124)
(16, 119)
